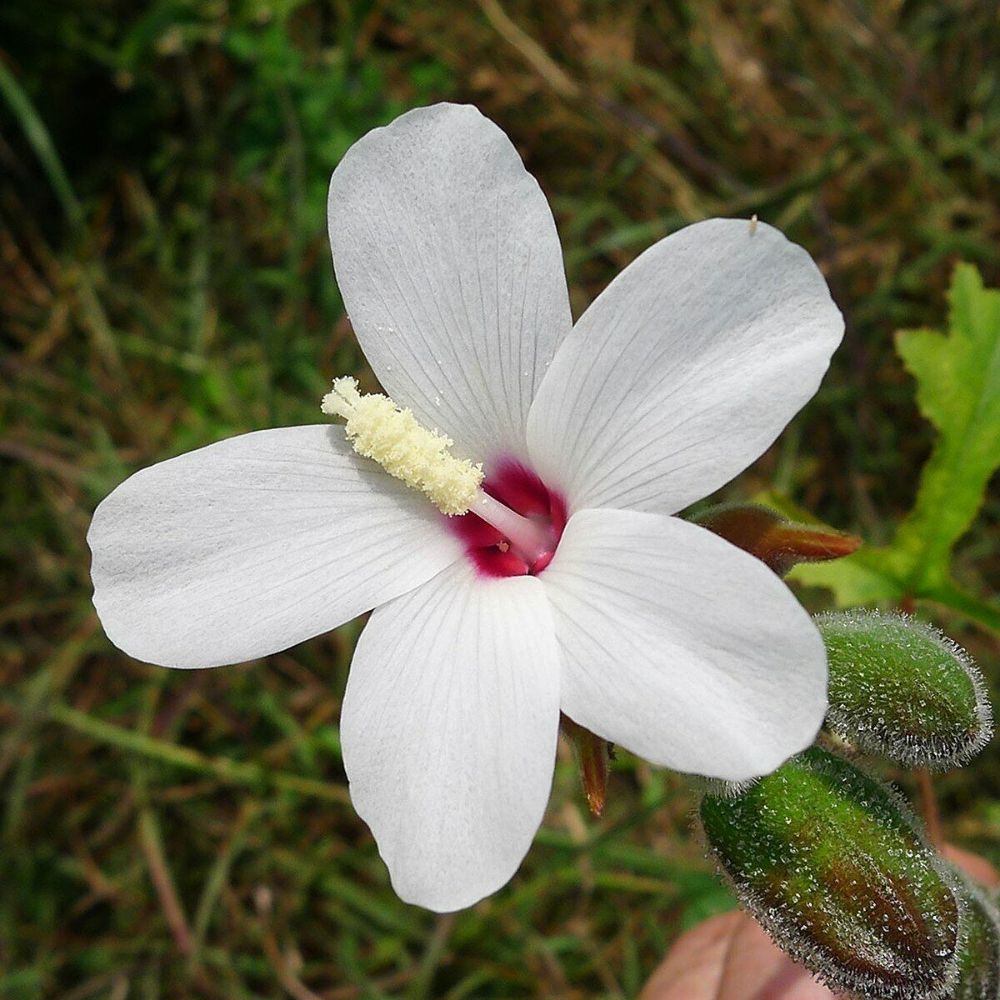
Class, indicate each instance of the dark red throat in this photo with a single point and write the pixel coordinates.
(518, 488)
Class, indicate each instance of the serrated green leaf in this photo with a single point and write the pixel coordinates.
(958, 390)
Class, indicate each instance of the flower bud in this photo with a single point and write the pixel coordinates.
(830, 863)
(772, 538)
(899, 688)
(593, 755)
(979, 946)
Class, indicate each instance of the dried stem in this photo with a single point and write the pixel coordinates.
(929, 807)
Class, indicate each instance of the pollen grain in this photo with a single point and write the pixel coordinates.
(380, 430)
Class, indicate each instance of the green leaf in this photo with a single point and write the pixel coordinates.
(867, 577)
(958, 390)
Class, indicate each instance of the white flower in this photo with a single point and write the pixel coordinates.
(650, 631)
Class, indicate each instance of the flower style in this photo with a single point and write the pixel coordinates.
(569, 585)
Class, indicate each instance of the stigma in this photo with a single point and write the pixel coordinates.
(380, 430)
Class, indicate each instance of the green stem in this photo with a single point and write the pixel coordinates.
(229, 771)
(968, 605)
(41, 142)
(92, 311)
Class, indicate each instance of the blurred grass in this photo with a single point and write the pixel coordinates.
(165, 282)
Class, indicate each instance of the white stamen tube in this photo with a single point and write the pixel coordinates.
(531, 539)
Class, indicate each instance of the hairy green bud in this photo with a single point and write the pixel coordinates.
(900, 688)
(832, 865)
(979, 947)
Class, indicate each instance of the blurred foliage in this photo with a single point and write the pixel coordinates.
(165, 282)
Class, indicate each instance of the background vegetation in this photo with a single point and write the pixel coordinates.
(165, 282)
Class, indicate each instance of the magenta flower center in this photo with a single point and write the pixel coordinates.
(514, 552)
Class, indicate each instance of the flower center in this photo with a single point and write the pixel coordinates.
(510, 524)
(514, 527)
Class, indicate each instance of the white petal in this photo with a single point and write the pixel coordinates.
(681, 647)
(253, 544)
(684, 370)
(449, 731)
(449, 263)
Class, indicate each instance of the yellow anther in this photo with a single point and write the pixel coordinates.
(378, 429)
